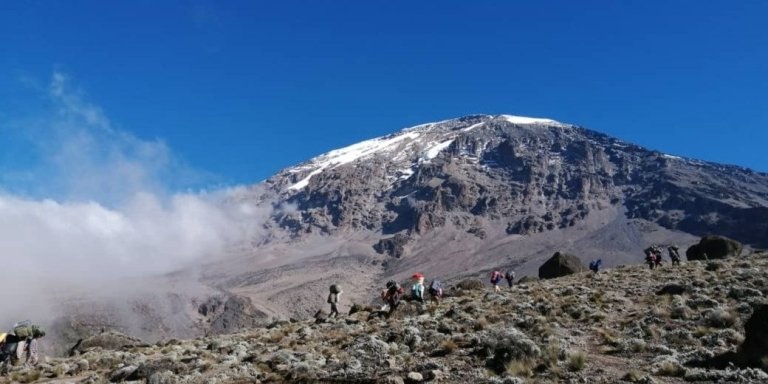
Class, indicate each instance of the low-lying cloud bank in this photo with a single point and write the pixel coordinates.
(97, 205)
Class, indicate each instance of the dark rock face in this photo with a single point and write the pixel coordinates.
(561, 264)
(713, 247)
(393, 246)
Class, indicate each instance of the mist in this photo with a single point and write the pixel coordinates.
(93, 210)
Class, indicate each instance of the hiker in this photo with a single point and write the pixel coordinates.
(674, 255)
(391, 295)
(510, 276)
(333, 299)
(22, 341)
(435, 290)
(650, 257)
(657, 260)
(595, 265)
(417, 289)
(495, 279)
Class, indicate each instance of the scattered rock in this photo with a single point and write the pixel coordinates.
(561, 264)
(414, 377)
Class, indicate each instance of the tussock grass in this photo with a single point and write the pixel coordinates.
(633, 376)
(577, 361)
(669, 368)
(449, 346)
(521, 368)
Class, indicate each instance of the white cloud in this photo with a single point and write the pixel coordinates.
(104, 207)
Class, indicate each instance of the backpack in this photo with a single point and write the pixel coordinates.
(510, 275)
(393, 285)
(416, 292)
(335, 288)
(436, 288)
(331, 298)
(23, 331)
(495, 277)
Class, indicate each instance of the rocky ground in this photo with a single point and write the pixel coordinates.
(626, 324)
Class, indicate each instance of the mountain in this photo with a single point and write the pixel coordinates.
(463, 196)
(457, 199)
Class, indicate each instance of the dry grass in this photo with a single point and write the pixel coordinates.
(633, 376)
(608, 336)
(481, 323)
(521, 368)
(669, 368)
(449, 346)
(577, 361)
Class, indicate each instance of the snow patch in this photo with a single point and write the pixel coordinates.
(672, 157)
(351, 153)
(530, 120)
(434, 151)
(471, 127)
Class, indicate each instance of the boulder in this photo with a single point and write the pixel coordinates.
(561, 264)
(714, 247)
(754, 350)
(109, 340)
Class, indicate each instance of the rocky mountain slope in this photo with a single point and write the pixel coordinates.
(698, 322)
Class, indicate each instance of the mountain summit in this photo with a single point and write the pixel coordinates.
(524, 175)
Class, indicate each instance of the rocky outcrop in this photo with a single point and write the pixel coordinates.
(392, 246)
(713, 247)
(228, 313)
(561, 264)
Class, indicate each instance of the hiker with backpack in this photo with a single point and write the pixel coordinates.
(417, 289)
(391, 295)
(22, 341)
(653, 256)
(510, 276)
(435, 290)
(595, 265)
(674, 255)
(333, 299)
(495, 279)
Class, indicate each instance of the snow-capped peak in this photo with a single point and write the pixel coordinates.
(426, 141)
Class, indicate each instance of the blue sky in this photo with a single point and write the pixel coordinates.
(237, 90)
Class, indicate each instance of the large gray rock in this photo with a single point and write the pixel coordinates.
(109, 340)
(713, 247)
(561, 264)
